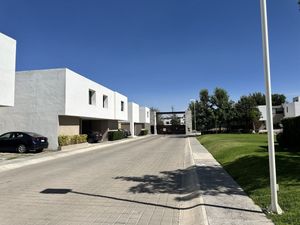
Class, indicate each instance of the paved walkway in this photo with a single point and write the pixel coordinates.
(220, 197)
(159, 180)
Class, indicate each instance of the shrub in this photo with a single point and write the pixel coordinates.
(64, 140)
(290, 136)
(115, 135)
(280, 139)
(143, 132)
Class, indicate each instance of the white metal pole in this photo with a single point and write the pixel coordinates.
(274, 207)
(195, 116)
(155, 128)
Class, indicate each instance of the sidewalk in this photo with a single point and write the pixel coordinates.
(50, 155)
(221, 199)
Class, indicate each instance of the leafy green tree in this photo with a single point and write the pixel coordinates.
(205, 119)
(175, 120)
(247, 112)
(278, 99)
(259, 98)
(221, 106)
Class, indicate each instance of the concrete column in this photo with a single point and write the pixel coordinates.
(155, 128)
(132, 129)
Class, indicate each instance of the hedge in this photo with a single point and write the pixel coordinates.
(143, 132)
(64, 140)
(290, 137)
(115, 135)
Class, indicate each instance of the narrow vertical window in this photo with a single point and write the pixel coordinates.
(92, 97)
(122, 106)
(105, 101)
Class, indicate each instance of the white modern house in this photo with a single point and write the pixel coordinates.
(292, 109)
(277, 112)
(138, 119)
(145, 117)
(167, 121)
(61, 102)
(286, 110)
(7, 70)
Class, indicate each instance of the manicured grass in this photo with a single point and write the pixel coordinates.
(245, 158)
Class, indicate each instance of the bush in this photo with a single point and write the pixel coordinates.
(143, 132)
(64, 140)
(279, 138)
(115, 135)
(290, 137)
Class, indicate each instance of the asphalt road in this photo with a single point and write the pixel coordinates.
(139, 182)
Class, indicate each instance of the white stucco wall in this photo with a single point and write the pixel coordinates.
(263, 111)
(291, 109)
(44, 95)
(133, 112)
(119, 114)
(133, 116)
(77, 98)
(144, 114)
(39, 99)
(7, 70)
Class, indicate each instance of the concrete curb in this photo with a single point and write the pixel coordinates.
(26, 161)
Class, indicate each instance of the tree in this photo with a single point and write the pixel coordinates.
(205, 116)
(247, 112)
(221, 106)
(175, 120)
(278, 99)
(259, 98)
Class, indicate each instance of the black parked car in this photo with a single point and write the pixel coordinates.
(23, 141)
(94, 137)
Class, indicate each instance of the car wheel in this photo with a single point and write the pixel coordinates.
(21, 149)
(39, 150)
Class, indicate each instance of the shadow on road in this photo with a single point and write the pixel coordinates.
(186, 182)
(66, 191)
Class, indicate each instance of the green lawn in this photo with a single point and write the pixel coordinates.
(245, 158)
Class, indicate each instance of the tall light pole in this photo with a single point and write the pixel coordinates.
(274, 207)
(194, 103)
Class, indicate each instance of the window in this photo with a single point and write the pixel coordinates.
(105, 101)
(287, 109)
(122, 106)
(147, 114)
(279, 110)
(92, 97)
(5, 136)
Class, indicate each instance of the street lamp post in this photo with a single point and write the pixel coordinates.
(194, 103)
(274, 207)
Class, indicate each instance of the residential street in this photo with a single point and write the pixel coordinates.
(147, 181)
(115, 185)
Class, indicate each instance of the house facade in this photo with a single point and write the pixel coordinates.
(286, 110)
(292, 109)
(138, 119)
(7, 70)
(61, 102)
(277, 112)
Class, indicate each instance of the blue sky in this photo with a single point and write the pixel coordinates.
(159, 52)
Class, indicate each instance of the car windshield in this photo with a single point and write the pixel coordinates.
(33, 134)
